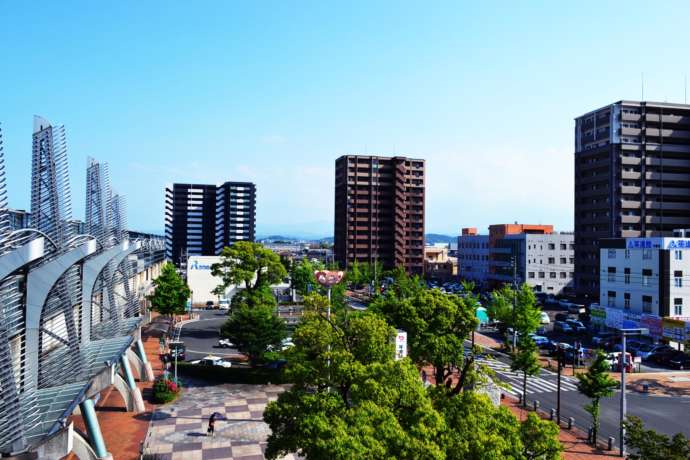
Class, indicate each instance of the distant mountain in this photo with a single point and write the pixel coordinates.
(433, 238)
(293, 239)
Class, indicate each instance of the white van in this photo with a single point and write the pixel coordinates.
(224, 304)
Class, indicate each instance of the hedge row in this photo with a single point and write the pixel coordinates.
(256, 376)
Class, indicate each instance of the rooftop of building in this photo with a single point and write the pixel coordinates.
(379, 157)
(654, 104)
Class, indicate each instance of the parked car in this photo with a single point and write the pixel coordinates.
(562, 326)
(576, 308)
(630, 345)
(550, 300)
(555, 346)
(563, 303)
(601, 338)
(544, 318)
(679, 360)
(576, 326)
(562, 317)
(614, 361)
(210, 360)
(647, 349)
(539, 340)
(225, 343)
(210, 305)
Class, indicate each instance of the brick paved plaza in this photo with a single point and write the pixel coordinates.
(178, 430)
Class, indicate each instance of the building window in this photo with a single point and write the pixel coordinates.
(647, 254)
(541, 275)
(612, 274)
(646, 273)
(563, 247)
(627, 253)
(678, 306)
(530, 275)
(626, 300)
(612, 299)
(612, 253)
(571, 260)
(678, 278)
(626, 273)
(564, 261)
(647, 303)
(563, 275)
(572, 246)
(552, 246)
(552, 275)
(678, 255)
(552, 260)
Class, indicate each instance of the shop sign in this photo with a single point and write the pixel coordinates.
(674, 329)
(400, 345)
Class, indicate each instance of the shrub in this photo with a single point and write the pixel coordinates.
(165, 390)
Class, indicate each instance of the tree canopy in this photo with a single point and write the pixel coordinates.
(171, 292)
(248, 265)
(254, 330)
(526, 360)
(650, 445)
(302, 275)
(437, 325)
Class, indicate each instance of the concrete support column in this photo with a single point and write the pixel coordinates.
(137, 399)
(147, 371)
(94, 430)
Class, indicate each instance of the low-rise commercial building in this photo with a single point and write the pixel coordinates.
(473, 257)
(438, 264)
(645, 282)
(520, 253)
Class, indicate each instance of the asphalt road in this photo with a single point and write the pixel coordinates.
(201, 337)
(664, 414)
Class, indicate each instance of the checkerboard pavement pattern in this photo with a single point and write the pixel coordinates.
(178, 430)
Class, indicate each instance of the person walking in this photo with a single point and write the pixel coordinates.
(211, 424)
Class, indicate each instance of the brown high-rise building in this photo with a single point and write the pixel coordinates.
(379, 211)
(632, 178)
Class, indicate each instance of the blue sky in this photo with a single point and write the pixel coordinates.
(273, 92)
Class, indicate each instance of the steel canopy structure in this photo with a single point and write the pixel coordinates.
(71, 307)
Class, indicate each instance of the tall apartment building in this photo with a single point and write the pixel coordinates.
(632, 178)
(379, 211)
(202, 219)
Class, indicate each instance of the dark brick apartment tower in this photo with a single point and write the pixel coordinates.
(379, 211)
(632, 179)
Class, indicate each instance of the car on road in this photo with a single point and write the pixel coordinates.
(648, 349)
(562, 326)
(613, 359)
(211, 360)
(210, 305)
(679, 360)
(224, 304)
(544, 318)
(661, 355)
(225, 343)
(576, 326)
(177, 350)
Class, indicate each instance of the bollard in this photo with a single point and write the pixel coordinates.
(535, 404)
(611, 441)
(553, 414)
(571, 422)
(520, 398)
(590, 434)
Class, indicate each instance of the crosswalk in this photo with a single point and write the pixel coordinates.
(543, 383)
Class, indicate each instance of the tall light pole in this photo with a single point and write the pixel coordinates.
(559, 355)
(327, 279)
(622, 362)
(512, 259)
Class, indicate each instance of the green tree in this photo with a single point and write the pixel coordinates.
(437, 325)
(249, 265)
(516, 309)
(350, 398)
(302, 275)
(526, 360)
(259, 296)
(171, 292)
(650, 445)
(540, 439)
(500, 307)
(596, 383)
(354, 275)
(254, 330)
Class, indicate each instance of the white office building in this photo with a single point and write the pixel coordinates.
(473, 257)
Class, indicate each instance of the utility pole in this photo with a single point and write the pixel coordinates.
(623, 362)
(514, 262)
(559, 354)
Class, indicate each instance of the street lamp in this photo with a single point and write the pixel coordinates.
(327, 279)
(559, 356)
(622, 362)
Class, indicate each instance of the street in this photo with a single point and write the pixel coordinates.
(664, 414)
(201, 336)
